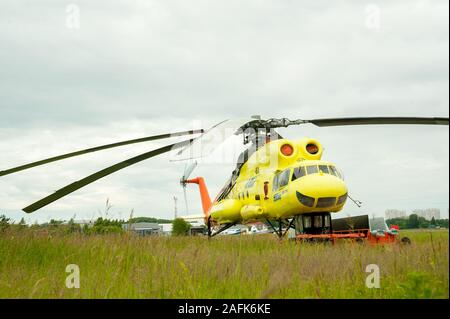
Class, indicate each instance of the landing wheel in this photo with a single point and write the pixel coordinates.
(406, 241)
(224, 228)
(209, 227)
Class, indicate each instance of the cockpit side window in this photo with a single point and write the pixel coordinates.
(275, 182)
(335, 172)
(250, 183)
(281, 179)
(299, 172)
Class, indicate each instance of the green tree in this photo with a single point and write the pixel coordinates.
(73, 227)
(55, 223)
(22, 224)
(149, 220)
(442, 223)
(180, 227)
(413, 221)
(106, 226)
(433, 221)
(4, 223)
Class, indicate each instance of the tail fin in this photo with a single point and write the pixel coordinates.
(204, 195)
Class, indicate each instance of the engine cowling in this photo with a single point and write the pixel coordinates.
(310, 149)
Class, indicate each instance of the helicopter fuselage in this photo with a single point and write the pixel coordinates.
(281, 180)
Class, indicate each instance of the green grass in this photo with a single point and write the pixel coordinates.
(33, 263)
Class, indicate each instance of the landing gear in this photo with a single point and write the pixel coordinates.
(224, 228)
(279, 230)
(406, 241)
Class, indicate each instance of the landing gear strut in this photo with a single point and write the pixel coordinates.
(279, 231)
(224, 228)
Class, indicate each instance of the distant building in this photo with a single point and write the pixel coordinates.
(198, 219)
(197, 222)
(84, 222)
(429, 213)
(144, 229)
(166, 229)
(395, 213)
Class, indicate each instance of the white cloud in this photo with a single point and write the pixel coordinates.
(133, 69)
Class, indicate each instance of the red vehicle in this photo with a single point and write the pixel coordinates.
(359, 229)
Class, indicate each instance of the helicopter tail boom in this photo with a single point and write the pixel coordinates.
(204, 194)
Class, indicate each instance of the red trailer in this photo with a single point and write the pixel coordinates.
(358, 229)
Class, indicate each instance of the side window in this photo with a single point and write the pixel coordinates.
(333, 171)
(327, 221)
(299, 172)
(251, 183)
(307, 222)
(317, 221)
(283, 180)
(341, 175)
(312, 169)
(275, 182)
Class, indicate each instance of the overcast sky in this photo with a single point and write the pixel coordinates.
(79, 74)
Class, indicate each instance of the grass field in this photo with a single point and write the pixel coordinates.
(33, 265)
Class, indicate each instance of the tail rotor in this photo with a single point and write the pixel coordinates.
(188, 169)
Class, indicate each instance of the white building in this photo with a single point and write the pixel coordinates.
(194, 220)
(143, 229)
(83, 222)
(166, 228)
(395, 213)
(429, 213)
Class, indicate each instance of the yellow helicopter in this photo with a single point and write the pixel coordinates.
(276, 179)
(281, 180)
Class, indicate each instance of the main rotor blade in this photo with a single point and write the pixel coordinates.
(206, 143)
(96, 149)
(379, 120)
(101, 174)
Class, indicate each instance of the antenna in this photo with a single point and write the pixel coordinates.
(357, 202)
(175, 199)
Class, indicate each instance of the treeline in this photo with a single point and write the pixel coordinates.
(414, 222)
(99, 226)
(150, 220)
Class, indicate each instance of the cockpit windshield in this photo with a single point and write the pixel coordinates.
(312, 169)
(334, 171)
(304, 170)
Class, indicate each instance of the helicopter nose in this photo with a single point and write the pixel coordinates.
(321, 191)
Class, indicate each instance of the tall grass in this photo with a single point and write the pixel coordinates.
(33, 263)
